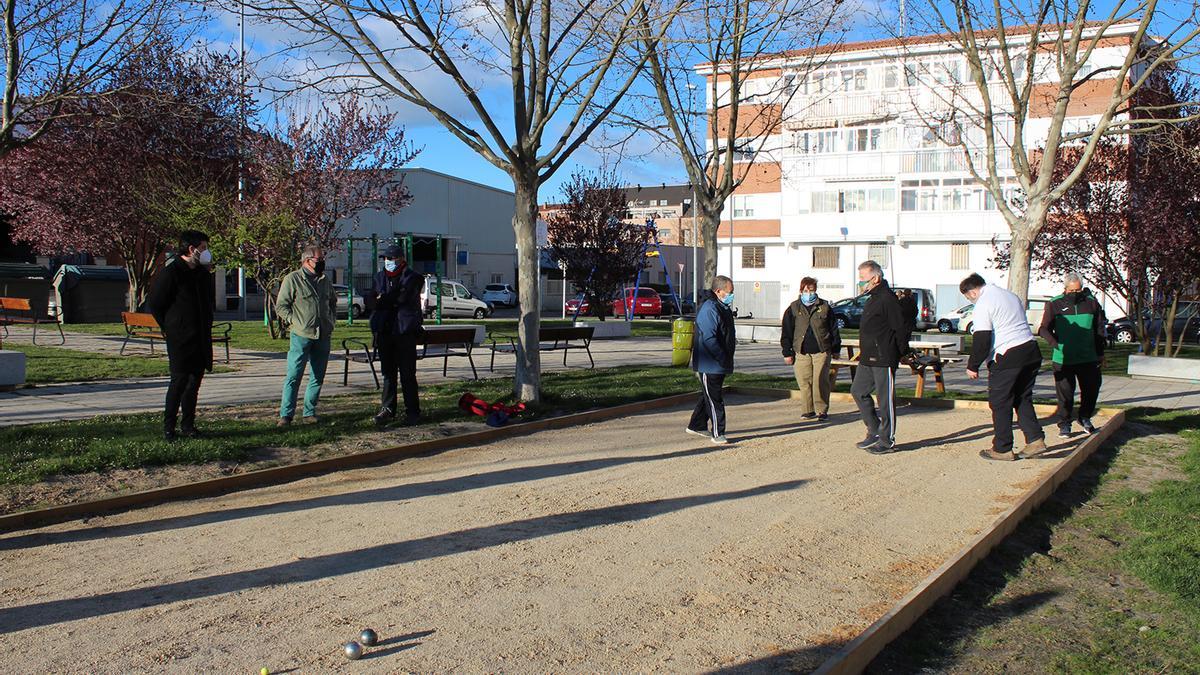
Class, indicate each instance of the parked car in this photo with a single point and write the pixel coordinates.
(848, 312)
(357, 308)
(950, 321)
(1185, 326)
(456, 299)
(668, 303)
(573, 305)
(647, 303)
(500, 294)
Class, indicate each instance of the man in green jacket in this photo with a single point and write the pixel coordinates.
(307, 303)
(1073, 324)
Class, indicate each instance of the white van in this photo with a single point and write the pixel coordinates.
(456, 299)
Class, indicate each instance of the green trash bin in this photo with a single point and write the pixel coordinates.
(681, 341)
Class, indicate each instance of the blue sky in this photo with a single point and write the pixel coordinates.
(445, 153)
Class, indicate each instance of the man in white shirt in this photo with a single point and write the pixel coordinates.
(1004, 342)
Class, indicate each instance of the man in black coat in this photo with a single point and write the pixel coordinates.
(182, 300)
(396, 321)
(883, 338)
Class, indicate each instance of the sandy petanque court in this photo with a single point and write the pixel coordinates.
(621, 546)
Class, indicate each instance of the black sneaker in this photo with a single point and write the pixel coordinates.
(822, 417)
(1064, 430)
(1086, 423)
(169, 435)
(190, 432)
(882, 448)
(867, 442)
(384, 417)
(808, 416)
(412, 418)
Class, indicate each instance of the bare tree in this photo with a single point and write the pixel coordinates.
(729, 128)
(547, 71)
(57, 51)
(1040, 75)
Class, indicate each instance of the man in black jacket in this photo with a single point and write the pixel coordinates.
(883, 339)
(396, 321)
(809, 340)
(181, 301)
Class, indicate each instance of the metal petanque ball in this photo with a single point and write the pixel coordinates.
(368, 637)
(354, 651)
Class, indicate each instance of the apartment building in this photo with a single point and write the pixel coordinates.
(850, 155)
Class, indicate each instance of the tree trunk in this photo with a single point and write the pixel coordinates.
(709, 222)
(527, 383)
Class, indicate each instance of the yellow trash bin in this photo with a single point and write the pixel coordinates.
(681, 341)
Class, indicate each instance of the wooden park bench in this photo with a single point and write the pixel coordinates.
(446, 341)
(927, 358)
(143, 326)
(550, 338)
(18, 312)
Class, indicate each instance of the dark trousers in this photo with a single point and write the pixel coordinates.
(1088, 375)
(711, 406)
(182, 393)
(880, 422)
(1010, 387)
(398, 357)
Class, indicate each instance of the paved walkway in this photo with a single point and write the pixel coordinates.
(260, 376)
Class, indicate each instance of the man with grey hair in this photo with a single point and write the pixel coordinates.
(713, 344)
(307, 303)
(1073, 325)
(883, 338)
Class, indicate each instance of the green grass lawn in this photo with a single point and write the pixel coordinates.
(34, 452)
(254, 336)
(57, 364)
(1103, 578)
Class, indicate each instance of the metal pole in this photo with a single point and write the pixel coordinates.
(730, 245)
(438, 271)
(350, 281)
(241, 181)
(695, 270)
(374, 254)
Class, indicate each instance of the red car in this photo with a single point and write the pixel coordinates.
(647, 304)
(573, 305)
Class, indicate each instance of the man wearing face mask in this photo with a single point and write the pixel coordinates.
(1073, 324)
(712, 358)
(182, 301)
(810, 338)
(883, 338)
(398, 326)
(307, 303)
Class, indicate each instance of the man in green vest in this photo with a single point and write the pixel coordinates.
(1073, 324)
(809, 340)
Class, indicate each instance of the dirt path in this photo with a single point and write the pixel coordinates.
(620, 546)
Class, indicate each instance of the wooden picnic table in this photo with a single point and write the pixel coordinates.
(928, 348)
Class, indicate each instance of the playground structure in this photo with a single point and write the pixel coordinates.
(405, 241)
(657, 252)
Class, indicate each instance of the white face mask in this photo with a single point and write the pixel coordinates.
(204, 257)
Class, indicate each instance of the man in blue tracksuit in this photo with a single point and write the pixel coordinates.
(712, 358)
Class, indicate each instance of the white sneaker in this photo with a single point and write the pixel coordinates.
(694, 432)
(720, 440)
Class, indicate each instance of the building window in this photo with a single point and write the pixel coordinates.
(497, 278)
(754, 257)
(826, 257)
(959, 258)
(742, 207)
(878, 253)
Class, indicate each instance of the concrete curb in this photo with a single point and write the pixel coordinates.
(285, 474)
